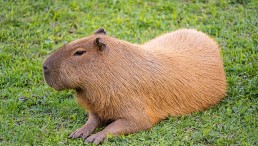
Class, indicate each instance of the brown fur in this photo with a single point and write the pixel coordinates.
(135, 86)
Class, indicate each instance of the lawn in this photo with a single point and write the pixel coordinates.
(31, 113)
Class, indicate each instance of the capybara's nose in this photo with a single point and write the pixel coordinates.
(45, 68)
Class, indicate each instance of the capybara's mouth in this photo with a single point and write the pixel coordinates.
(59, 89)
(50, 82)
(54, 85)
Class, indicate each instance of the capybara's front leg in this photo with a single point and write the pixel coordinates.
(92, 123)
(118, 127)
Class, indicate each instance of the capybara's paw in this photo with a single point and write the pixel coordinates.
(81, 132)
(96, 138)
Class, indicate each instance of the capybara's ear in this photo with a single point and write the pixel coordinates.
(101, 45)
(100, 31)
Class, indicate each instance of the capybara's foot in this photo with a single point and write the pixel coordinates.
(96, 138)
(81, 132)
(118, 127)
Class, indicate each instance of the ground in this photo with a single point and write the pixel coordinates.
(32, 113)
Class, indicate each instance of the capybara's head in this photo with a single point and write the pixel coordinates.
(75, 62)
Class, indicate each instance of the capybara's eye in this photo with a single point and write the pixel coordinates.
(79, 53)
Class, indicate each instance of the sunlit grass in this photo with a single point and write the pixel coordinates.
(32, 113)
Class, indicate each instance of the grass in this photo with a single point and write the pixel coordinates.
(31, 113)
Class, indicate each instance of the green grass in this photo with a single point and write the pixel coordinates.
(31, 113)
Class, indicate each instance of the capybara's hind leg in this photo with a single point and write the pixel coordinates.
(92, 123)
(118, 127)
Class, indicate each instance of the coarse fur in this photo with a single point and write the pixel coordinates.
(131, 86)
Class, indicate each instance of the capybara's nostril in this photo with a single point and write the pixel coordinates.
(45, 68)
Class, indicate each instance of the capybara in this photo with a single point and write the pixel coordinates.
(128, 87)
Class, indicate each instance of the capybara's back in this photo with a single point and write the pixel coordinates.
(193, 73)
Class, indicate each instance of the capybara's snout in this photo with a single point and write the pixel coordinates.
(50, 72)
(45, 68)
